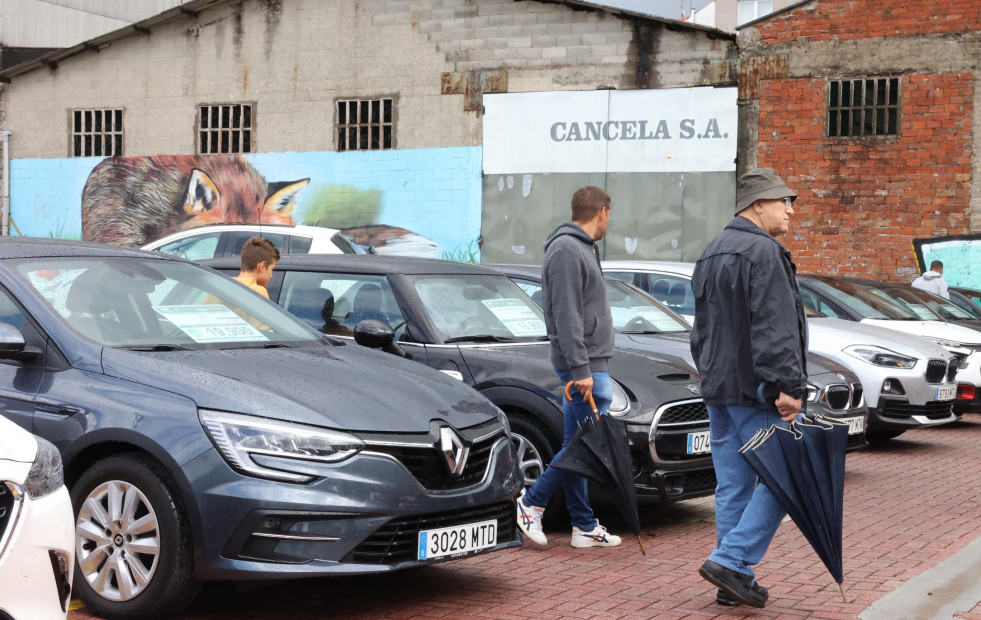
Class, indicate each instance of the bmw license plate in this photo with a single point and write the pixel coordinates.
(457, 540)
(855, 425)
(698, 443)
(947, 392)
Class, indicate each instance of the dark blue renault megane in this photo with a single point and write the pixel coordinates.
(207, 434)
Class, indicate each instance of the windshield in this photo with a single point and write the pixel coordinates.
(926, 306)
(479, 308)
(144, 303)
(636, 313)
(346, 245)
(868, 305)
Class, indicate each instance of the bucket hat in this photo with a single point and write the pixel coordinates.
(761, 184)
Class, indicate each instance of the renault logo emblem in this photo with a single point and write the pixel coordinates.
(453, 448)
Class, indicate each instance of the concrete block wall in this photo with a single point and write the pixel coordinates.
(294, 58)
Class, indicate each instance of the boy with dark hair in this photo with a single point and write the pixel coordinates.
(259, 258)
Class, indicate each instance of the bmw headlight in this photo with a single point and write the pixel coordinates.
(879, 356)
(812, 393)
(46, 475)
(239, 438)
(621, 404)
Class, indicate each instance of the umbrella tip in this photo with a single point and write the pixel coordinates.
(841, 588)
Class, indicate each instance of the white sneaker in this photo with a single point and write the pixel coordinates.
(599, 537)
(530, 521)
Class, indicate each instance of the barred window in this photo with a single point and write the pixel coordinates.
(97, 133)
(225, 128)
(863, 107)
(365, 124)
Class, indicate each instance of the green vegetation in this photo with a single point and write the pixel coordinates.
(461, 254)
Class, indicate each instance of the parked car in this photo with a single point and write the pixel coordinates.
(668, 282)
(967, 300)
(644, 324)
(208, 435)
(218, 240)
(37, 539)
(930, 307)
(474, 324)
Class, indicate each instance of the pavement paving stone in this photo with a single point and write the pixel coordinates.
(909, 504)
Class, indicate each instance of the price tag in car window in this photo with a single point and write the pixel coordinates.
(210, 323)
(517, 317)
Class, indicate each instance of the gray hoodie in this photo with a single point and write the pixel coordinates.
(577, 313)
(932, 282)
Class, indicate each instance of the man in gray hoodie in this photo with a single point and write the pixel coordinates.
(933, 281)
(580, 330)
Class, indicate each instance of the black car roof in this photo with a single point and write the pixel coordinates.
(37, 247)
(364, 264)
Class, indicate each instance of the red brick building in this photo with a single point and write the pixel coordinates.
(869, 109)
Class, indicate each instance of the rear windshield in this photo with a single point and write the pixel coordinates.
(866, 304)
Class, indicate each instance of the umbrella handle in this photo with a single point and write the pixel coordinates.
(568, 397)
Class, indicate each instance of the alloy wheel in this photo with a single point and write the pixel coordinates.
(117, 540)
(529, 459)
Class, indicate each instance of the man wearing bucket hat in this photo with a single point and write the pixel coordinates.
(748, 343)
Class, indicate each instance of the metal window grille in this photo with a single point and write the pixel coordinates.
(225, 128)
(365, 124)
(863, 107)
(97, 133)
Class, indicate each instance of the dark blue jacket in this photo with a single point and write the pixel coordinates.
(749, 319)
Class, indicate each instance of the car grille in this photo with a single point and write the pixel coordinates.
(428, 465)
(398, 540)
(684, 414)
(838, 396)
(952, 370)
(857, 392)
(933, 410)
(697, 481)
(936, 371)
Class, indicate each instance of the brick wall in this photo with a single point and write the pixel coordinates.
(862, 201)
(842, 20)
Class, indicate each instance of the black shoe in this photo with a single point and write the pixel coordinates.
(723, 598)
(737, 585)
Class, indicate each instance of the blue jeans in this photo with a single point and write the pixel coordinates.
(747, 514)
(574, 412)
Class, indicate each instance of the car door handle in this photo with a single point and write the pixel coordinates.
(55, 408)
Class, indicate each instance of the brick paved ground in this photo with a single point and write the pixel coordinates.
(908, 505)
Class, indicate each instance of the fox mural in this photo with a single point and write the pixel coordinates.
(131, 201)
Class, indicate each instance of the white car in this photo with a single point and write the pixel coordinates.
(37, 536)
(909, 381)
(218, 240)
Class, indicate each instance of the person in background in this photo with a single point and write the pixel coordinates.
(259, 258)
(933, 281)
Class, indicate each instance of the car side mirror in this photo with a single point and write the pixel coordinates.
(13, 346)
(377, 335)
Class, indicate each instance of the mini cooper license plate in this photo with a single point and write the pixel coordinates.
(947, 392)
(698, 443)
(457, 540)
(855, 425)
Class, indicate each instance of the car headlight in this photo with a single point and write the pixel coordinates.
(812, 393)
(621, 404)
(46, 475)
(879, 356)
(239, 438)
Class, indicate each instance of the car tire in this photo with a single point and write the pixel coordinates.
(883, 435)
(138, 565)
(536, 450)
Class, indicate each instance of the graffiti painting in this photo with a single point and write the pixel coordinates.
(960, 254)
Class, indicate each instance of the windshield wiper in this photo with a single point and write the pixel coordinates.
(158, 347)
(641, 331)
(479, 338)
(266, 345)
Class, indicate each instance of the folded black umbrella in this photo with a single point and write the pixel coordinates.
(600, 452)
(804, 468)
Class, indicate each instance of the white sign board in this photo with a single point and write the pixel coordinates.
(664, 130)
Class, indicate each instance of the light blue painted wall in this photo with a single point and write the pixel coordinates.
(433, 192)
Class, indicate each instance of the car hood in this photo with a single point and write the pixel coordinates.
(931, 329)
(677, 345)
(832, 336)
(343, 387)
